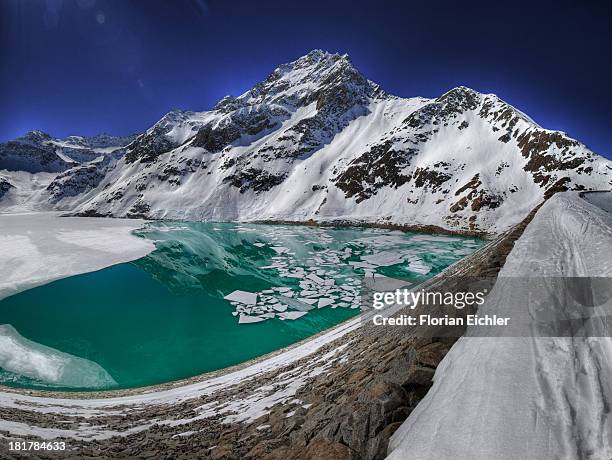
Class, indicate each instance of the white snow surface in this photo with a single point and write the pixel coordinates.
(526, 397)
(36, 248)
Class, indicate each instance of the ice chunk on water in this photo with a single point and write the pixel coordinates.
(418, 266)
(249, 298)
(246, 319)
(30, 359)
(324, 303)
(434, 238)
(292, 314)
(316, 278)
(294, 303)
(308, 301)
(384, 259)
(361, 264)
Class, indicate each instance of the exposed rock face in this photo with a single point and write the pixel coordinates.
(378, 167)
(254, 179)
(76, 180)
(32, 153)
(5, 186)
(317, 140)
(161, 137)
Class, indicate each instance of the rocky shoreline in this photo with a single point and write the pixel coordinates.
(343, 400)
(429, 229)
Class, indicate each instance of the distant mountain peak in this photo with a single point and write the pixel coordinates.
(35, 136)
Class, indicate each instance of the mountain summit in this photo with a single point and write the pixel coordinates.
(317, 140)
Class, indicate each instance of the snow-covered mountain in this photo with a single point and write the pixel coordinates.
(39, 152)
(317, 140)
(39, 169)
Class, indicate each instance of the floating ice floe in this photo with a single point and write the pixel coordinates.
(317, 279)
(359, 264)
(293, 275)
(434, 238)
(249, 298)
(324, 302)
(292, 314)
(308, 301)
(419, 267)
(295, 303)
(384, 259)
(246, 319)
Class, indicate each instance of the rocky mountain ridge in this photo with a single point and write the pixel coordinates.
(37, 151)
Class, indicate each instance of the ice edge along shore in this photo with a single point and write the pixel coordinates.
(38, 248)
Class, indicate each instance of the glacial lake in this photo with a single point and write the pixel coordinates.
(210, 296)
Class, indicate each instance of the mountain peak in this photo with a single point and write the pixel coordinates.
(294, 83)
(317, 56)
(34, 136)
(459, 92)
(315, 62)
(461, 98)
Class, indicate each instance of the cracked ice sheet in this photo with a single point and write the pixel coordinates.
(38, 248)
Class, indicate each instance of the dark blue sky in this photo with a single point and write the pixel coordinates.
(87, 66)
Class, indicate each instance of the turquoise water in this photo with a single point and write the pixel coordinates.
(164, 317)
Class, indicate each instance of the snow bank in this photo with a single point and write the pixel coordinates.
(518, 397)
(600, 199)
(38, 248)
(24, 357)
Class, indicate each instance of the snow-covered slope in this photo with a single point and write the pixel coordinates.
(532, 396)
(317, 140)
